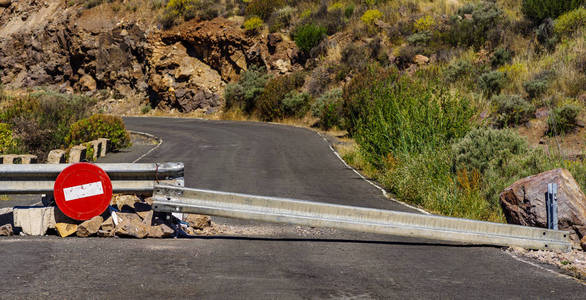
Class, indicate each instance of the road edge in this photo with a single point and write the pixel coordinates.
(148, 135)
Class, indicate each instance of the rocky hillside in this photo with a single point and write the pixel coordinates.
(74, 49)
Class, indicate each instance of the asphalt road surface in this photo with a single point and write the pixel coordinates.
(260, 260)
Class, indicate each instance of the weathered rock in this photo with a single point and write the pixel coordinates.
(90, 227)
(161, 231)
(421, 59)
(124, 200)
(87, 83)
(6, 230)
(272, 41)
(182, 81)
(583, 243)
(131, 225)
(5, 3)
(56, 157)
(198, 221)
(214, 42)
(524, 202)
(34, 220)
(108, 225)
(146, 216)
(65, 229)
(106, 233)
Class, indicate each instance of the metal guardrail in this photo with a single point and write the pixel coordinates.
(139, 178)
(187, 200)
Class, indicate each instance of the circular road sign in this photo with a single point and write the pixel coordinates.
(82, 191)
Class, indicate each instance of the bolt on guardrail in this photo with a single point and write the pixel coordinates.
(125, 177)
(280, 210)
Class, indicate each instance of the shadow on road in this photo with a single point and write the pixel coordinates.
(348, 241)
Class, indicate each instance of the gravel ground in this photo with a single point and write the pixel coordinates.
(572, 263)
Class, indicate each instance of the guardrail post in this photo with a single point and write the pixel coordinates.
(551, 204)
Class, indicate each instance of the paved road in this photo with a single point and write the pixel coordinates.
(256, 260)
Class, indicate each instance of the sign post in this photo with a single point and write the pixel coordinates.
(82, 191)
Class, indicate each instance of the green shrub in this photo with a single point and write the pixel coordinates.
(419, 39)
(409, 116)
(349, 10)
(270, 103)
(546, 36)
(7, 142)
(357, 97)
(243, 94)
(263, 8)
(458, 70)
(535, 88)
(308, 36)
(370, 16)
(571, 22)
(512, 110)
(500, 57)
(40, 121)
(485, 148)
(424, 23)
(253, 24)
(328, 108)
(295, 104)
(475, 24)
(539, 10)
(281, 18)
(563, 119)
(491, 82)
(100, 126)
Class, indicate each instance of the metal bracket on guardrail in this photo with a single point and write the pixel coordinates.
(280, 210)
(125, 177)
(551, 204)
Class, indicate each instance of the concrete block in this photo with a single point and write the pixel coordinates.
(104, 147)
(34, 220)
(97, 146)
(28, 159)
(77, 154)
(56, 157)
(7, 159)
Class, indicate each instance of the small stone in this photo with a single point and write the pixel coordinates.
(421, 59)
(198, 221)
(90, 227)
(108, 225)
(161, 231)
(106, 233)
(6, 230)
(65, 229)
(88, 83)
(146, 216)
(131, 225)
(121, 200)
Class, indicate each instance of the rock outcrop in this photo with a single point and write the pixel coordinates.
(524, 202)
(72, 49)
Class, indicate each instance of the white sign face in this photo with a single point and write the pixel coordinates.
(83, 191)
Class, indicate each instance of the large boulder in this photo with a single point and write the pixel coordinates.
(523, 202)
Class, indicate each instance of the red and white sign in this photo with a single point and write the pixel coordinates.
(82, 191)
